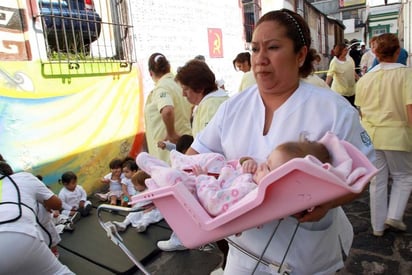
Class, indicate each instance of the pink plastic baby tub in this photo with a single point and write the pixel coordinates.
(296, 186)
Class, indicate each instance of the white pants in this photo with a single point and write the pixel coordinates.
(67, 212)
(144, 218)
(24, 254)
(398, 166)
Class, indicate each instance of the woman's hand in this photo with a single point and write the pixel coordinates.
(314, 214)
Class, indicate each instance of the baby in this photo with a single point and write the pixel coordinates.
(148, 212)
(235, 179)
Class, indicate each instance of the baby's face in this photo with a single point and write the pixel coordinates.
(274, 160)
(128, 173)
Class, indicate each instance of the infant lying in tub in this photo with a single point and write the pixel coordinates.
(235, 179)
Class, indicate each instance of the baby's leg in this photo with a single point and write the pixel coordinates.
(146, 162)
(113, 200)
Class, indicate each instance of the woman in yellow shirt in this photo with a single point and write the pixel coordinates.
(199, 87)
(167, 112)
(342, 72)
(384, 96)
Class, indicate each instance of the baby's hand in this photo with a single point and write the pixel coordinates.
(161, 145)
(104, 180)
(198, 170)
(249, 166)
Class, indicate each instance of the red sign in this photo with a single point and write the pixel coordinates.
(215, 43)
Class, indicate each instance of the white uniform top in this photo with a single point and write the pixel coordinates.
(32, 191)
(129, 185)
(72, 199)
(236, 131)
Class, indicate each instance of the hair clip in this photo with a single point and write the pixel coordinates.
(297, 27)
(157, 57)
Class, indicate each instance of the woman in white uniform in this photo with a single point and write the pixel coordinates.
(279, 109)
(23, 248)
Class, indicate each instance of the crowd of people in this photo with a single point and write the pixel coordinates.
(254, 121)
(189, 112)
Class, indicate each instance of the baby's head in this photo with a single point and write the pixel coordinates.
(129, 168)
(138, 180)
(290, 150)
(115, 166)
(299, 149)
(69, 180)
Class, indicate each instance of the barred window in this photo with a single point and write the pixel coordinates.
(83, 31)
(250, 15)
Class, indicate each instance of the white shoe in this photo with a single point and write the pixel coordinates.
(69, 226)
(170, 246)
(141, 228)
(60, 228)
(102, 196)
(378, 233)
(396, 224)
(121, 226)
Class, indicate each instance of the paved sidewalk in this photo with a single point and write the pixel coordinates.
(370, 255)
(388, 255)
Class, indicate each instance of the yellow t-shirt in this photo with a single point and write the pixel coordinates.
(343, 76)
(248, 79)
(166, 93)
(382, 95)
(206, 109)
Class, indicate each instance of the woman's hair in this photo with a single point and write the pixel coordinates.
(5, 168)
(130, 164)
(338, 49)
(139, 178)
(373, 39)
(386, 46)
(158, 64)
(303, 148)
(242, 58)
(198, 76)
(67, 177)
(115, 163)
(297, 30)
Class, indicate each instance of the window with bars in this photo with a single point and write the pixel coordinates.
(250, 15)
(83, 31)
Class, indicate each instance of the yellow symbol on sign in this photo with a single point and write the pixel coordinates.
(217, 44)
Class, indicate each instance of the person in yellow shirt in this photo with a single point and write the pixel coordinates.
(341, 76)
(242, 63)
(384, 96)
(199, 87)
(167, 113)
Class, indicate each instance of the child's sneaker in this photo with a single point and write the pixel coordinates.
(75, 217)
(85, 211)
(121, 226)
(141, 228)
(69, 226)
(102, 196)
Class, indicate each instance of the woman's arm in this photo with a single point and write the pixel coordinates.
(329, 80)
(409, 112)
(54, 202)
(168, 117)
